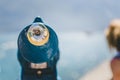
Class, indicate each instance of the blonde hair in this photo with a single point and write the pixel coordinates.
(113, 34)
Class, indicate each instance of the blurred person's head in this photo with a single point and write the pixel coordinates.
(113, 34)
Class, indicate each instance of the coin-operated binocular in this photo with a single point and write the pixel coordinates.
(38, 51)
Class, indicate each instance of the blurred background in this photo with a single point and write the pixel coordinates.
(79, 24)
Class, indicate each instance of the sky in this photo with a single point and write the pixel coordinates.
(62, 15)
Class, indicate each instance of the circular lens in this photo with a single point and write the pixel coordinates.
(38, 34)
